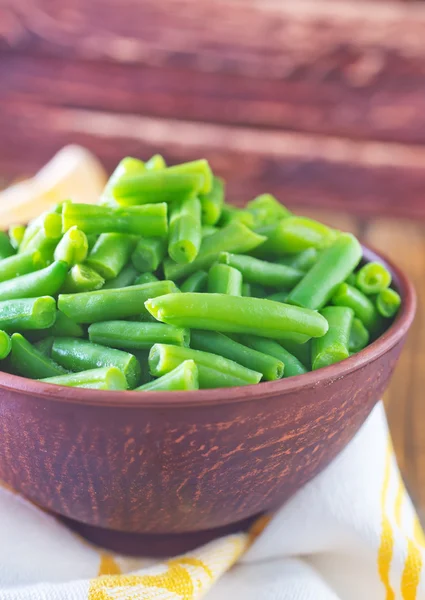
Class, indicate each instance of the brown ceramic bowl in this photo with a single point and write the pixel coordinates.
(187, 462)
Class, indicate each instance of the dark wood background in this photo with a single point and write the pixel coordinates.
(322, 103)
(318, 102)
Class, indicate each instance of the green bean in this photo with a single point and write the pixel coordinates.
(334, 345)
(373, 278)
(145, 278)
(47, 281)
(127, 166)
(332, 268)
(73, 247)
(82, 278)
(196, 282)
(118, 303)
(235, 237)
(208, 230)
(126, 277)
(259, 271)
(267, 210)
(111, 253)
(152, 187)
(351, 279)
(301, 351)
(214, 371)
(149, 253)
(182, 378)
(185, 231)
(45, 345)
(199, 167)
(65, 327)
(231, 213)
(29, 361)
(149, 220)
(16, 235)
(246, 289)
(156, 163)
(46, 237)
(278, 297)
(218, 343)
(106, 378)
(223, 279)
(259, 291)
(303, 261)
(292, 366)
(212, 203)
(388, 302)
(359, 336)
(5, 345)
(363, 307)
(27, 314)
(130, 335)
(236, 314)
(21, 264)
(293, 235)
(40, 223)
(92, 239)
(6, 248)
(143, 358)
(81, 355)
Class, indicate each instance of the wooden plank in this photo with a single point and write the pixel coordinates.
(324, 67)
(361, 177)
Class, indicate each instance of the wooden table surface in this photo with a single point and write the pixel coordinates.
(404, 242)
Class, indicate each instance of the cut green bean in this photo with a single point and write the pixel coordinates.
(235, 237)
(293, 235)
(73, 247)
(373, 278)
(270, 367)
(156, 163)
(106, 378)
(334, 345)
(267, 210)
(65, 327)
(185, 230)
(332, 268)
(21, 264)
(82, 278)
(262, 272)
(152, 187)
(143, 358)
(127, 166)
(111, 253)
(301, 351)
(81, 355)
(197, 282)
(303, 261)
(292, 366)
(5, 345)
(236, 314)
(45, 345)
(363, 307)
(278, 297)
(46, 237)
(208, 230)
(199, 167)
(37, 224)
(145, 278)
(125, 278)
(182, 378)
(47, 282)
(387, 302)
(149, 253)
(231, 213)
(149, 220)
(130, 335)
(214, 371)
(117, 303)
(16, 235)
(29, 361)
(359, 336)
(6, 248)
(223, 279)
(212, 203)
(27, 314)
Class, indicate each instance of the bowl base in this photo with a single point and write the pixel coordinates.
(153, 545)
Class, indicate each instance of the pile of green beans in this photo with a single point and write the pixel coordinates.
(163, 285)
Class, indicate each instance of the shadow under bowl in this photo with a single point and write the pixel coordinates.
(182, 467)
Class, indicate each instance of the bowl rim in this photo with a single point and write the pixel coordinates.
(223, 396)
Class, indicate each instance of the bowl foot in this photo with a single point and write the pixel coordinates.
(153, 545)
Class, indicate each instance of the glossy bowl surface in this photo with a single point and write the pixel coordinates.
(179, 462)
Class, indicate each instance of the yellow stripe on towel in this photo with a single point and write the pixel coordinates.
(385, 552)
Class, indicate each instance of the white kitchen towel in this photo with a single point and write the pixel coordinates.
(351, 534)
